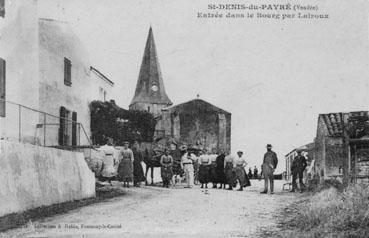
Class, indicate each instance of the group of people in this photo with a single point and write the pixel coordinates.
(198, 166)
(223, 169)
(127, 160)
(254, 175)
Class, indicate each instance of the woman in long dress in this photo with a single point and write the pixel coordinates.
(239, 169)
(204, 169)
(125, 169)
(166, 162)
(213, 169)
(138, 173)
(221, 178)
(228, 170)
(109, 162)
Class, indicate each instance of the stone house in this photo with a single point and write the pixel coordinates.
(44, 69)
(197, 123)
(342, 146)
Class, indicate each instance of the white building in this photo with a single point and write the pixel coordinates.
(44, 66)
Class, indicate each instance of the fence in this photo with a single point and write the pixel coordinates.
(25, 124)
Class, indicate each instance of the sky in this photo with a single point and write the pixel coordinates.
(275, 77)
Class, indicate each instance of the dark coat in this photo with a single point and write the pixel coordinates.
(270, 162)
(298, 164)
(221, 177)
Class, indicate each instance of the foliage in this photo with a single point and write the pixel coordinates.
(330, 213)
(110, 121)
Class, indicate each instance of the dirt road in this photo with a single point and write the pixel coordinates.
(158, 212)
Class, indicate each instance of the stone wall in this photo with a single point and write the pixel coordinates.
(33, 176)
(334, 156)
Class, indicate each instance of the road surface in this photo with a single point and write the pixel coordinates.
(158, 212)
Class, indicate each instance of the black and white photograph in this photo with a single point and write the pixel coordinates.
(184, 118)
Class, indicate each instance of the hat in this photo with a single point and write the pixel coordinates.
(183, 147)
(269, 146)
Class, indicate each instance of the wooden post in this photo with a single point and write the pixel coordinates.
(345, 150)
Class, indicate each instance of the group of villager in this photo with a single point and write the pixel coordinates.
(122, 164)
(199, 166)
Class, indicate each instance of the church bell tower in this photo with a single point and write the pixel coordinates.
(150, 94)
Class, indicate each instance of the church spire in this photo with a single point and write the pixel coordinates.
(150, 87)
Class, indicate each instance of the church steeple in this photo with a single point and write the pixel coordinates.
(150, 94)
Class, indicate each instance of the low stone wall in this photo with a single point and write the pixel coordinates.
(33, 176)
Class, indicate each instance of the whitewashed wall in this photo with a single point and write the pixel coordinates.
(33, 176)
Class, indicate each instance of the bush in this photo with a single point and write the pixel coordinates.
(331, 213)
(110, 121)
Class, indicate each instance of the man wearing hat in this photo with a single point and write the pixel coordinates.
(297, 169)
(187, 166)
(269, 165)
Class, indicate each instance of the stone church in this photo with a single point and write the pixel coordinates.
(193, 123)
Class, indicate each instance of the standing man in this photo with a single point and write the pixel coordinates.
(187, 167)
(297, 169)
(269, 165)
(255, 173)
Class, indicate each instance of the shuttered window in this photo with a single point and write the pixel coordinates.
(2, 8)
(74, 129)
(67, 72)
(62, 126)
(2, 87)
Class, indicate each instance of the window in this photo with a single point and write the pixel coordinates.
(2, 8)
(67, 72)
(68, 134)
(2, 87)
(74, 128)
(62, 125)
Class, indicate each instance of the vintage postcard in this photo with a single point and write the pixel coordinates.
(184, 118)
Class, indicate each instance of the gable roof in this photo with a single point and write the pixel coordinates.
(196, 104)
(333, 123)
(101, 75)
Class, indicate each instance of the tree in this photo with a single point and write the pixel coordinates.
(110, 121)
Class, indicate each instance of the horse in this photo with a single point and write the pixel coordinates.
(151, 159)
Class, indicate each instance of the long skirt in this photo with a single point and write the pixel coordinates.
(138, 173)
(177, 170)
(125, 170)
(221, 177)
(204, 173)
(230, 174)
(213, 173)
(166, 174)
(241, 176)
